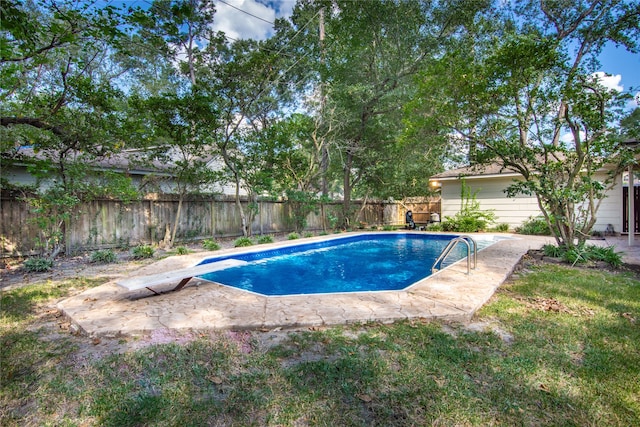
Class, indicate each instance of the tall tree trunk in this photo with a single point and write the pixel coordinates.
(176, 222)
(346, 204)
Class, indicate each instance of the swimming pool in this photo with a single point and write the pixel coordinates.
(359, 263)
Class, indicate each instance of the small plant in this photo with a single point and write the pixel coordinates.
(577, 255)
(142, 251)
(210, 244)
(265, 239)
(388, 228)
(436, 226)
(242, 242)
(38, 265)
(553, 251)
(182, 250)
(106, 256)
(293, 236)
(471, 218)
(502, 228)
(606, 254)
(535, 226)
(308, 234)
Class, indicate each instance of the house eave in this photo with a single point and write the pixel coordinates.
(458, 177)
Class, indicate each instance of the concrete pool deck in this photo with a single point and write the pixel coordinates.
(451, 294)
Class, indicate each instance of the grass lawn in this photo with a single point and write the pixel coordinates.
(555, 346)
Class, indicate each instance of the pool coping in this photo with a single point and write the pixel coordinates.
(450, 294)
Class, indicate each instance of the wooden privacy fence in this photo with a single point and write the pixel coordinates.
(113, 223)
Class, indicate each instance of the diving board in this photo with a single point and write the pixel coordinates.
(183, 275)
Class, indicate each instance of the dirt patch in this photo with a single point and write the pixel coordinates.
(53, 325)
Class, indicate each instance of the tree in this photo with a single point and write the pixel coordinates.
(524, 95)
(371, 53)
(177, 115)
(60, 97)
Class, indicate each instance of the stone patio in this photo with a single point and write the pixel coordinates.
(450, 294)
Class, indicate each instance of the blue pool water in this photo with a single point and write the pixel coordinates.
(369, 262)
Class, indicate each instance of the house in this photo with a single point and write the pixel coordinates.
(489, 183)
(148, 177)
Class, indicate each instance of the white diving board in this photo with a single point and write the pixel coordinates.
(183, 275)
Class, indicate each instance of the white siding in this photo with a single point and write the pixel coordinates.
(610, 211)
(514, 211)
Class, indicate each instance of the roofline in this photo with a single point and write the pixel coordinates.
(458, 177)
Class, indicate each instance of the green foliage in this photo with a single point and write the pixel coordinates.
(301, 204)
(105, 256)
(293, 236)
(142, 251)
(585, 254)
(38, 264)
(470, 218)
(308, 234)
(536, 226)
(52, 209)
(553, 251)
(502, 228)
(182, 250)
(243, 242)
(436, 226)
(265, 239)
(210, 244)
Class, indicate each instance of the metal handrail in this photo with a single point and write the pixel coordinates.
(452, 244)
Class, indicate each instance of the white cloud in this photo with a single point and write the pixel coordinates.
(609, 81)
(240, 25)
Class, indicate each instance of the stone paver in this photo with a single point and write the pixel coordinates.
(450, 294)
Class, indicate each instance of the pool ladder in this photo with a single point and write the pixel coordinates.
(467, 240)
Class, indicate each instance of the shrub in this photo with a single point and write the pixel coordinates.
(242, 242)
(470, 218)
(502, 228)
(106, 256)
(182, 250)
(210, 244)
(265, 239)
(606, 254)
(142, 251)
(584, 254)
(38, 264)
(388, 228)
(553, 251)
(293, 236)
(308, 234)
(534, 226)
(436, 226)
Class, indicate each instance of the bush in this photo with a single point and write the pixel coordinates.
(553, 251)
(210, 244)
(182, 250)
(585, 254)
(265, 239)
(308, 234)
(502, 228)
(293, 236)
(468, 221)
(534, 226)
(242, 242)
(470, 218)
(606, 254)
(38, 265)
(436, 226)
(106, 256)
(142, 251)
